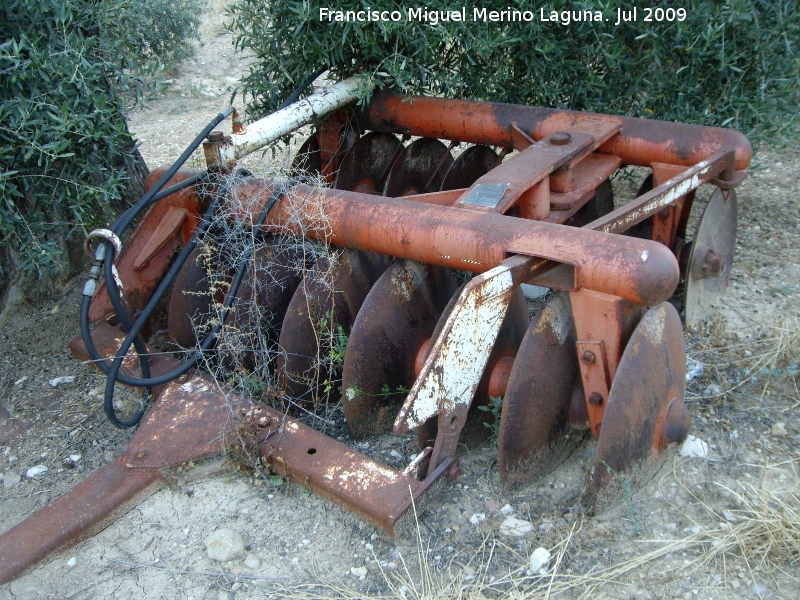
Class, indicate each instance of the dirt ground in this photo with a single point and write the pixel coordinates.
(723, 526)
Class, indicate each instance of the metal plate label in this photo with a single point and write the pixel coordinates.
(486, 194)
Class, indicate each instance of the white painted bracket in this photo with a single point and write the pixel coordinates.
(455, 364)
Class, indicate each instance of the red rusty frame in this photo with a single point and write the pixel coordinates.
(610, 277)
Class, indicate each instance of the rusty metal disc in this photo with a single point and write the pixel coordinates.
(419, 169)
(397, 317)
(708, 271)
(534, 434)
(645, 412)
(469, 166)
(261, 303)
(189, 306)
(366, 165)
(307, 161)
(481, 419)
(598, 206)
(319, 318)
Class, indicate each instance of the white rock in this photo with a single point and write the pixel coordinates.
(11, 479)
(59, 380)
(694, 448)
(539, 559)
(74, 457)
(515, 527)
(729, 517)
(72, 562)
(360, 572)
(224, 544)
(35, 471)
(779, 430)
(395, 454)
(252, 562)
(694, 369)
(508, 510)
(477, 518)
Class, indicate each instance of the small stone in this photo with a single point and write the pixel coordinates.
(759, 590)
(252, 562)
(236, 570)
(59, 380)
(539, 559)
(477, 518)
(10, 479)
(735, 584)
(779, 430)
(515, 527)
(72, 562)
(729, 517)
(395, 454)
(35, 471)
(224, 544)
(492, 506)
(360, 572)
(74, 457)
(694, 448)
(508, 510)
(694, 369)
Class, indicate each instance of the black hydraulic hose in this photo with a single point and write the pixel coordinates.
(105, 254)
(113, 372)
(122, 223)
(303, 87)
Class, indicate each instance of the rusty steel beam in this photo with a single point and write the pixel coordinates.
(87, 508)
(639, 142)
(639, 270)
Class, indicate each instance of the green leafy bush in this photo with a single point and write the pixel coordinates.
(65, 152)
(731, 62)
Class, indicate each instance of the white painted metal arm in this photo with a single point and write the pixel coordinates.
(265, 131)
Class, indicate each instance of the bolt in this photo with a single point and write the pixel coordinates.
(141, 454)
(588, 358)
(560, 139)
(216, 136)
(595, 399)
(664, 213)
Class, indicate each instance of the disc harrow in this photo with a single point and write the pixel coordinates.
(436, 211)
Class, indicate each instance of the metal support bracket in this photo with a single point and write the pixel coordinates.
(455, 365)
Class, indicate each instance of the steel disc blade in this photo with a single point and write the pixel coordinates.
(190, 302)
(396, 318)
(534, 434)
(319, 317)
(307, 161)
(482, 412)
(366, 165)
(709, 269)
(645, 411)
(598, 206)
(469, 166)
(262, 301)
(419, 169)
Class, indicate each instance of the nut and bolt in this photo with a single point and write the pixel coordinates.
(588, 358)
(595, 399)
(216, 136)
(560, 138)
